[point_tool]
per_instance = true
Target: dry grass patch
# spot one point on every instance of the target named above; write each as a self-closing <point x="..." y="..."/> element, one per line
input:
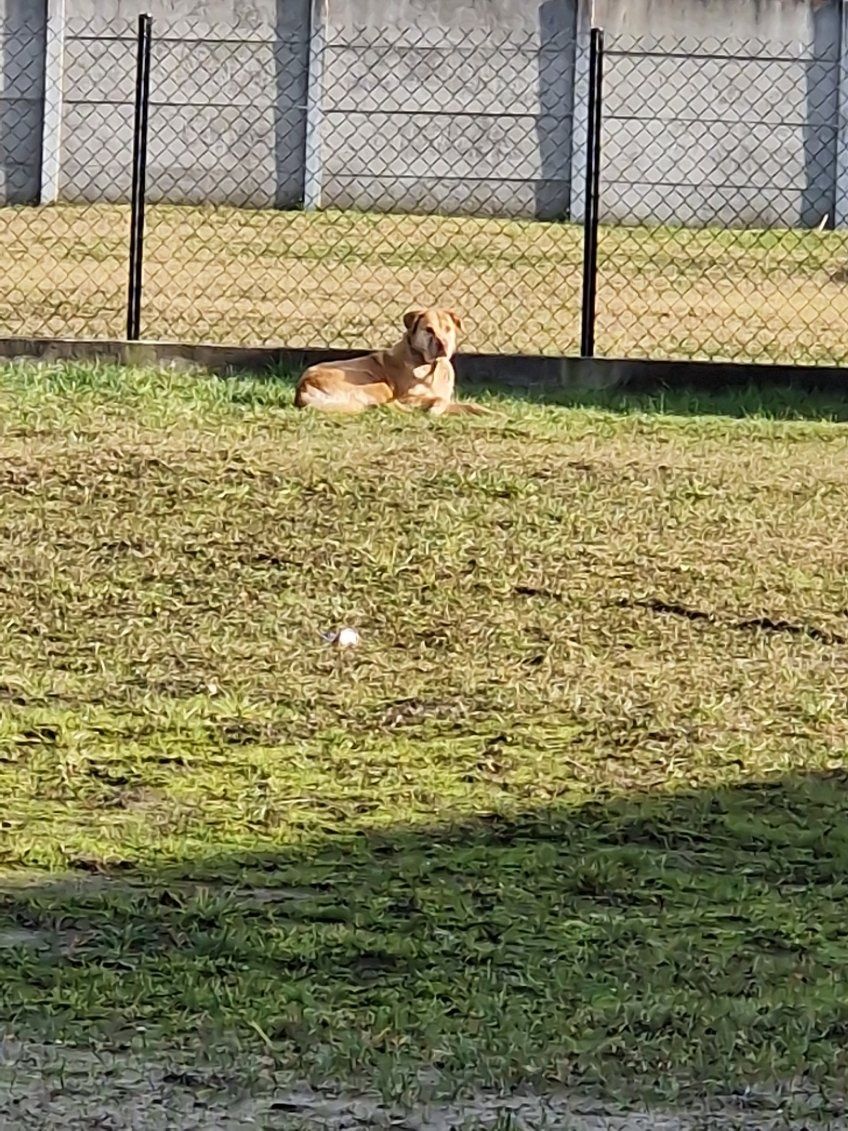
<point x="345" y="279"/>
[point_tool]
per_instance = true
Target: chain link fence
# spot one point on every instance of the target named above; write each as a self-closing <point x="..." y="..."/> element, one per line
<point x="420" y="162"/>
<point x="63" y="267"/>
<point x="720" y="187"/>
<point x="307" y="188"/>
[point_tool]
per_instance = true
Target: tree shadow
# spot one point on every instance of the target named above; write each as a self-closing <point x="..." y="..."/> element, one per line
<point x="23" y="30"/>
<point x="822" y="115"/>
<point x="291" y="67"/>
<point x="632" y="943"/>
<point x="555" y="119"/>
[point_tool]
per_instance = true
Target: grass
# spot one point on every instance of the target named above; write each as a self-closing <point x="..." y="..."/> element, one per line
<point x="575" y="812"/>
<point x="345" y="279"/>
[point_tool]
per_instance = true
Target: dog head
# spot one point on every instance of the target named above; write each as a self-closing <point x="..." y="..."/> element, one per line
<point x="432" y="333"/>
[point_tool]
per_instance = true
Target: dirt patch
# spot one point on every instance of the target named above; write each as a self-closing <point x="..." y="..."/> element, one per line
<point x="23" y="937"/>
<point x="100" y="883"/>
<point x="51" y="1087"/>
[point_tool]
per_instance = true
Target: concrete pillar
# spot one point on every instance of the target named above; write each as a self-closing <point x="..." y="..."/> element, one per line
<point x="54" y="70"/>
<point x="580" y="109"/>
<point x="313" y="173"/>
<point x="840" y="212"/>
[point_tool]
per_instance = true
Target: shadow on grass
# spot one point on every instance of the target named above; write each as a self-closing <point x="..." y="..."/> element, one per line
<point x="777" y="402"/>
<point x="630" y="943"/>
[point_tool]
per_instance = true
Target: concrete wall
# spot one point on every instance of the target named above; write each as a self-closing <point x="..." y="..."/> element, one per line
<point x="449" y="106"/>
<point x="22" y="30"/>
<point x="717" y="111"/>
<point x="735" y="121"/>
<point x="228" y="92"/>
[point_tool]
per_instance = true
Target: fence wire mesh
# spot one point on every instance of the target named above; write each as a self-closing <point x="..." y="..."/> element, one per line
<point x="307" y="186"/>
<point x="63" y="268"/>
<point x="721" y="182"/>
<point x="425" y="157"/>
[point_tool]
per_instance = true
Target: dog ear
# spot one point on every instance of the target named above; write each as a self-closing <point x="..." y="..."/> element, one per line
<point x="410" y="318"/>
<point x="457" y="321"/>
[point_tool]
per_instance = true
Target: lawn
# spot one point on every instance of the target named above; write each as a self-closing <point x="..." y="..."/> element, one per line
<point x="345" y="279"/>
<point x="571" y="821"/>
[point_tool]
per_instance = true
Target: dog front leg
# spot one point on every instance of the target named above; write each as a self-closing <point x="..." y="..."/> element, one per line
<point x="438" y="407"/>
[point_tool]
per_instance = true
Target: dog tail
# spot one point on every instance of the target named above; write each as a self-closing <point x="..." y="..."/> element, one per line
<point x="469" y="408"/>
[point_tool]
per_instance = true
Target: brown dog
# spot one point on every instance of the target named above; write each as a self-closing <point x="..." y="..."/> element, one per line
<point x="416" y="374"/>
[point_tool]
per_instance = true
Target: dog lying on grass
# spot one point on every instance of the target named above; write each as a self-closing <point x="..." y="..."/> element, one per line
<point x="416" y="374"/>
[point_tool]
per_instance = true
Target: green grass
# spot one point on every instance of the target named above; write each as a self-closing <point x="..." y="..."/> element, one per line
<point x="345" y="279"/>
<point x="575" y="812"/>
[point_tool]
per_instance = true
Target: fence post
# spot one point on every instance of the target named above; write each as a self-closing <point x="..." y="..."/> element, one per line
<point x="139" y="176"/>
<point x="840" y="219"/>
<point x="579" y="101"/>
<point x="313" y="172"/>
<point x="592" y="192"/>
<point x="51" y="132"/>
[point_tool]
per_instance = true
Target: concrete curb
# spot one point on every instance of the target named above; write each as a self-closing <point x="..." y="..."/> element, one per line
<point x="498" y="371"/>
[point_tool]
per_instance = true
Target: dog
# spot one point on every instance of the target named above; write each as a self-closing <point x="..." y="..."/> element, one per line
<point x="417" y="374"/>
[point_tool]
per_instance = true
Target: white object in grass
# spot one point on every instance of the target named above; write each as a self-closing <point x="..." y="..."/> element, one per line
<point x="343" y="638"/>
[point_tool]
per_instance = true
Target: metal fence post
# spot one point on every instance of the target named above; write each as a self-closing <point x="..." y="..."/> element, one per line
<point x="593" y="183"/>
<point x="139" y="176"/>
